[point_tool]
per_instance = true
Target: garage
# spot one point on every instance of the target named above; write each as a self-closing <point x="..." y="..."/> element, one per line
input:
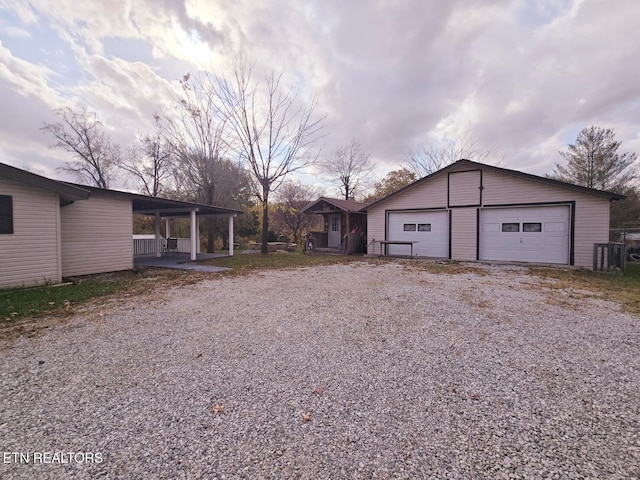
<point x="468" y="211"/>
<point x="429" y="229"/>
<point x="537" y="234"/>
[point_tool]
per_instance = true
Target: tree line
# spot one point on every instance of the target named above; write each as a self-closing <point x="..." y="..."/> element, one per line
<point x="228" y="139"/>
<point x="233" y="140"/>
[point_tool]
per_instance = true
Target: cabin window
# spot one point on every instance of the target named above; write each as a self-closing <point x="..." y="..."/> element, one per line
<point x="510" y="227"/>
<point x="409" y="227"/>
<point x="531" y="227"/>
<point x="6" y="215"/>
<point x="424" y="227"/>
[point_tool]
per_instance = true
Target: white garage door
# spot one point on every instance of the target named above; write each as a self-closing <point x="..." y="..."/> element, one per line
<point x="429" y="229"/>
<point x="531" y="234"/>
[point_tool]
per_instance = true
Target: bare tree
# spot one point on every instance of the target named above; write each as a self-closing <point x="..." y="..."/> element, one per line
<point x="149" y="162"/>
<point x="350" y="166"/>
<point x="291" y="199"/>
<point x="274" y="133"/>
<point x="195" y="133"/>
<point x="431" y="156"/>
<point x="82" y="135"/>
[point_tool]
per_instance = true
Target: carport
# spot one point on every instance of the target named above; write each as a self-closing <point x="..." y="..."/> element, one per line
<point x="162" y="208"/>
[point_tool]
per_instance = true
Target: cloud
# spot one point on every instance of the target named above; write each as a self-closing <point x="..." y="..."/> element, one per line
<point x="520" y="76"/>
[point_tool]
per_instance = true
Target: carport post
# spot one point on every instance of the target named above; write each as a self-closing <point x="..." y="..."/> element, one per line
<point x="194" y="233"/>
<point x="198" y="236"/>
<point x="231" y="235"/>
<point x="167" y="228"/>
<point x="158" y="238"/>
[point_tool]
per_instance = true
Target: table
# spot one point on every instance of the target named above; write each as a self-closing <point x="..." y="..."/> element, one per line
<point x="394" y="242"/>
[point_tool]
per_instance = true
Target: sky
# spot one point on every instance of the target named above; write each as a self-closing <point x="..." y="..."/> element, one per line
<point x="521" y="77"/>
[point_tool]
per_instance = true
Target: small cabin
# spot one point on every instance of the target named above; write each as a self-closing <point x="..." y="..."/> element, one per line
<point x="344" y="226"/>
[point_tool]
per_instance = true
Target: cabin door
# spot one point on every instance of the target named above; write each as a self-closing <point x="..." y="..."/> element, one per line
<point x="335" y="237"/>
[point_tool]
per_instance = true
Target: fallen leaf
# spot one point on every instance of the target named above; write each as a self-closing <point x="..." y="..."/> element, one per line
<point x="318" y="390"/>
<point x="52" y="303"/>
<point x="217" y="408"/>
<point x="306" y="417"/>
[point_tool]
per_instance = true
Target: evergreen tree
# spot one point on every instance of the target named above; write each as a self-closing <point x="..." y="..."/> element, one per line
<point x="594" y="162"/>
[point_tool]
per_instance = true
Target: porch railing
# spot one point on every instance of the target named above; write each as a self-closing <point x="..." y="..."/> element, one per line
<point x="147" y="246"/>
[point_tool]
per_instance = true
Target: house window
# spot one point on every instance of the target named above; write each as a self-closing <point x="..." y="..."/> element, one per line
<point x="6" y="214"/>
<point x="510" y="227"/>
<point x="424" y="227"/>
<point x="531" y="227"/>
<point x="335" y="224"/>
<point x="409" y="227"/>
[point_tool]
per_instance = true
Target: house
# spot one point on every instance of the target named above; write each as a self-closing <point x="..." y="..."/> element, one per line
<point x="51" y="229"/>
<point x="473" y="211"/>
<point x="341" y="217"/>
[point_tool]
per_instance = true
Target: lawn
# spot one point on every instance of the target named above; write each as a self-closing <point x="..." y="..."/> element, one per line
<point x="621" y="288"/>
<point x="246" y="263"/>
<point x="19" y="303"/>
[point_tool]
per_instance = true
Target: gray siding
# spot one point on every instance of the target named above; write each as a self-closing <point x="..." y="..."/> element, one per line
<point x="31" y="254"/>
<point x="499" y="188"/>
<point x="464" y="238"/>
<point x="96" y="235"/>
<point x="435" y="196"/>
<point x="591" y="215"/>
<point x="464" y="188"/>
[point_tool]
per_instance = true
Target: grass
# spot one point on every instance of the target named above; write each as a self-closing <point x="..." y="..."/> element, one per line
<point x="17" y="303"/>
<point x="624" y="289"/>
<point x="242" y="264"/>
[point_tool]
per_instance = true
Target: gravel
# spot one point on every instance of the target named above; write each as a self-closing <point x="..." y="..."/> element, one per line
<point x="346" y="371"/>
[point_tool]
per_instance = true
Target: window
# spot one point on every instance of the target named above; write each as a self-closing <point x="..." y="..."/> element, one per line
<point x="424" y="227"/>
<point x="531" y="227"/>
<point x="335" y="224"/>
<point x="510" y="227"/>
<point x="409" y="227"/>
<point x="6" y="214"/>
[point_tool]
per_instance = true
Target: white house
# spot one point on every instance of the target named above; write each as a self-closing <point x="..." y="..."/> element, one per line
<point x="473" y="211"/>
<point x="51" y="229"/>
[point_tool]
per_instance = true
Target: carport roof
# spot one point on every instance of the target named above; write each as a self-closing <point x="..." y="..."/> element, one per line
<point x="144" y="204"/>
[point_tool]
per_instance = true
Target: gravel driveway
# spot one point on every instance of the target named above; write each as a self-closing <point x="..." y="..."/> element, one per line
<point x="346" y="371"/>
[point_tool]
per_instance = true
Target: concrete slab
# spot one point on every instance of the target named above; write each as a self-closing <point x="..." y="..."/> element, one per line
<point x="180" y="262"/>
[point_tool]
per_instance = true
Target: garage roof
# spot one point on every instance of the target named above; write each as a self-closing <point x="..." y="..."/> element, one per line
<point x="470" y="164"/>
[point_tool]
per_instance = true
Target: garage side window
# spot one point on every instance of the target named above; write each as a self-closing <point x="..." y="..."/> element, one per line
<point x="510" y="227"/>
<point x="409" y="227"/>
<point x="532" y="227"/>
<point x="424" y="227"/>
<point x="6" y="215"/>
